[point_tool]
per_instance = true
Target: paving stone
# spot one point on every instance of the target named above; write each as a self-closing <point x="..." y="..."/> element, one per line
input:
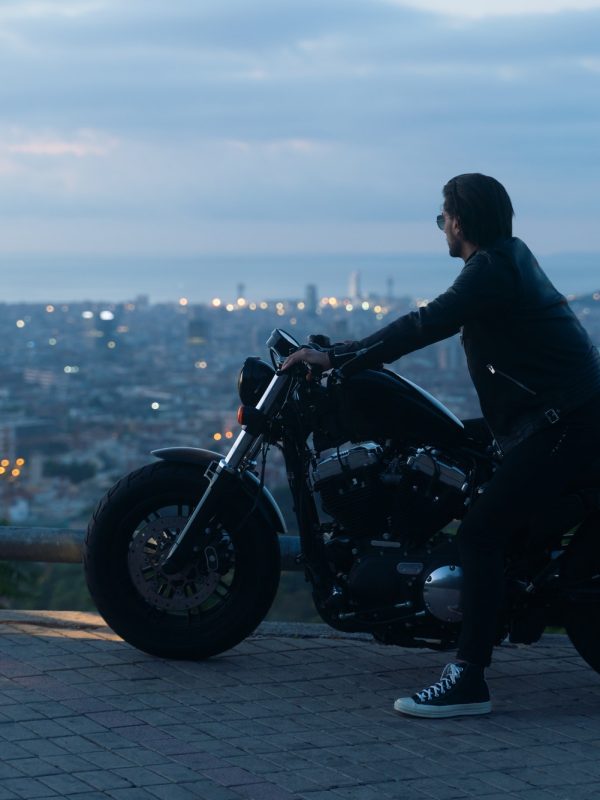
<point x="141" y="776"/>
<point x="284" y="717"/>
<point x="231" y="776"/>
<point x="37" y="747"/>
<point x="65" y="784"/>
<point x="172" y="791"/>
<point x="28" y="787"/>
<point x="264" y="791"/>
<point x="211" y="791"/>
<point x="33" y="767"/>
<point x="7" y="770"/>
<point x="73" y="744"/>
<point x="135" y="793"/>
<point x="88" y="796"/>
<point x="104" y="779"/>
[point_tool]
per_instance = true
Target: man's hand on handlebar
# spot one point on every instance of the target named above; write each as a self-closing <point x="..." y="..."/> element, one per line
<point x="314" y="358"/>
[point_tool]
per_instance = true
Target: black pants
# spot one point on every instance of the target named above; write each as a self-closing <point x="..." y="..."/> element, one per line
<point x="530" y="476"/>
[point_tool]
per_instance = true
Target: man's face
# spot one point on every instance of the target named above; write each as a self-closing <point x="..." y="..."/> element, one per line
<point x="453" y="235"/>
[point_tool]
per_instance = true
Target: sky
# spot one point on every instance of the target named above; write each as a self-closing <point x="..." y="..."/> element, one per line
<point x="292" y="126"/>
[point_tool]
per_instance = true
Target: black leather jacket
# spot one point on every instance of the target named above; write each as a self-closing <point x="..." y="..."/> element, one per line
<point x="530" y="358"/>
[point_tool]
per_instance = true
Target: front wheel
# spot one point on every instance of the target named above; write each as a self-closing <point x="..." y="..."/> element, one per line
<point x="207" y="608"/>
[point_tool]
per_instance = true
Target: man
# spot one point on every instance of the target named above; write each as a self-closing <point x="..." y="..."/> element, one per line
<point x="537" y="375"/>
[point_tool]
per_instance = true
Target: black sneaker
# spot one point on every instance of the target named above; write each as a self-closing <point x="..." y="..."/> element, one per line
<point x="460" y="691"/>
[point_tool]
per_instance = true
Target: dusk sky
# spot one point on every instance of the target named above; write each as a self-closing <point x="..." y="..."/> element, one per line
<point x="292" y="126"/>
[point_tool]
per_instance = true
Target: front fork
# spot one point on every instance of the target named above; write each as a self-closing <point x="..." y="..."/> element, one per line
<point x="222" y="478"/>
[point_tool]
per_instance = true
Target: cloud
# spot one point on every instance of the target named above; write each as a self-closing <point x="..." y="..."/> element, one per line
<point x="82" y="144"/>
<point x="491" y="8"/>
<point x="249" y="116"/>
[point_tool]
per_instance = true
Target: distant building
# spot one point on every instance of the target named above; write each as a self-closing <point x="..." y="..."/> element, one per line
<point x="354" y="286"/>
<point x="311" y="299"/>
<point x="390" y="289"/>
<point x="198" y="331"/>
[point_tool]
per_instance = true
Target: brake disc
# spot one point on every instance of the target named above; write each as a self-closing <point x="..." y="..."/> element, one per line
<point x="179" y="592"/>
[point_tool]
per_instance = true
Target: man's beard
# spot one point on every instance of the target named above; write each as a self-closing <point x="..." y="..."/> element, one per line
<point x="454" y="247"/>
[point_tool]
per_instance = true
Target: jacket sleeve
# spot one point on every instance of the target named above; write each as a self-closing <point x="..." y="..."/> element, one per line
<point x="485" y="287"/>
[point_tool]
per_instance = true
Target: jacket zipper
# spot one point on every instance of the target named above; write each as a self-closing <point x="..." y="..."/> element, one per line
<point x="495" y="371"/>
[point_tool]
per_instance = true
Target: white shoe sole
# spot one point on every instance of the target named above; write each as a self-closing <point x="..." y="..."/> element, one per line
<point x="406" y="705"/>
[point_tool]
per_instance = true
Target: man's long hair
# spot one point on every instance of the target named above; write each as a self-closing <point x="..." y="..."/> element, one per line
<point x="482" y="206"/>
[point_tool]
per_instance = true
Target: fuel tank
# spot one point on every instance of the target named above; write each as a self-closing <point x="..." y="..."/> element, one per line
<point x="379" y="404"/>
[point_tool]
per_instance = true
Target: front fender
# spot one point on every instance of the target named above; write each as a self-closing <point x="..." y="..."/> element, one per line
<point x="200" y="457"/>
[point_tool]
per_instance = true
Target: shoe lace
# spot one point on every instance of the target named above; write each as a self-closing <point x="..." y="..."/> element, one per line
<point x="450" y="675"/>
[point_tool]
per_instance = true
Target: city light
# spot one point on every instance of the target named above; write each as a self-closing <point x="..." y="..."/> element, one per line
<point x="293" y="321"/>
<point x="49" y="309"/>
<point x="5" y="462"/>
<point x="216" y="302"/>
<point x="111" y="345"/>
<point x="155" y="406"/>
<point x="20" y="323"/>
<point x="217" y="437"/>
<point x="252" y="306"/>
<point x="377" y="309"/>
<point x="300" y="306"/>
<point x="2" y="470"/>
<point x="15" y="473"/>
<point x="201" y="365"/>
<point x="229" y="306"/>
<point x="264" y="305"/>
<point x="349" y="307"/>
<point x="365" y="306"/>
<point x="107" y="316"/>
<point x="183" y="301"/>
<point x="596" y="295"/>
<point x="87" y="314"/>
<point x="52" y="341"/>
<point x="71" y="370"/>
<point x="20" y="462"/>
<point x="241" y="301"/>
<point x="229" y="434"/>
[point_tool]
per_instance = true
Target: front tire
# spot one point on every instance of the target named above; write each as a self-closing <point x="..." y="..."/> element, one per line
<point x="200" y="612"/>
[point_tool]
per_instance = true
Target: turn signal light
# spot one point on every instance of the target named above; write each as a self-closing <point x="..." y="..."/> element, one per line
<point x="252" y="419"/>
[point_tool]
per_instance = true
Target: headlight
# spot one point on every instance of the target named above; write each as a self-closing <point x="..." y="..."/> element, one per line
<point x="254" y="378"/>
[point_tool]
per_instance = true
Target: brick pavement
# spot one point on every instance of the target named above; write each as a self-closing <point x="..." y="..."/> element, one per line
<point x="293" y="712"/>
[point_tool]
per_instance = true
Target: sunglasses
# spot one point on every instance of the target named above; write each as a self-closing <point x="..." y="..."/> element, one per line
<point x="440" y="220"/>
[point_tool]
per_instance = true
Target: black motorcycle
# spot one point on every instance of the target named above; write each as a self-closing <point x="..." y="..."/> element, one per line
<point x="182" y="557"/>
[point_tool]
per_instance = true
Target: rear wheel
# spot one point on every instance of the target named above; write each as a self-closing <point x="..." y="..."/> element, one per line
<point x="581" y="579"/>
<point x="213" y="603"/>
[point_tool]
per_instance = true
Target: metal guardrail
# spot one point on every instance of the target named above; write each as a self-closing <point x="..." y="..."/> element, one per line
<point x="59" y="545"/>
<point x="65" y="546"/>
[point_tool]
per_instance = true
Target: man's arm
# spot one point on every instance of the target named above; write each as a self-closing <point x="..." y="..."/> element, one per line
<point x="485" y="287"/>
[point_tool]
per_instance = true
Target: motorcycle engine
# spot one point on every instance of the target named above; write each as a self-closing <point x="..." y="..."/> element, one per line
<point x="387" y="508"/>
<point x="350" y="489"/>
<point x="409" y="495"/>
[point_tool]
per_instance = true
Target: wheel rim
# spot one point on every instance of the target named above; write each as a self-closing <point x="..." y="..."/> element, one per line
<point x="203" y="586"/>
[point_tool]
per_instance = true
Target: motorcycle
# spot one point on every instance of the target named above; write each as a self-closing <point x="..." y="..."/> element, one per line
<point x="182" y="556"/>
